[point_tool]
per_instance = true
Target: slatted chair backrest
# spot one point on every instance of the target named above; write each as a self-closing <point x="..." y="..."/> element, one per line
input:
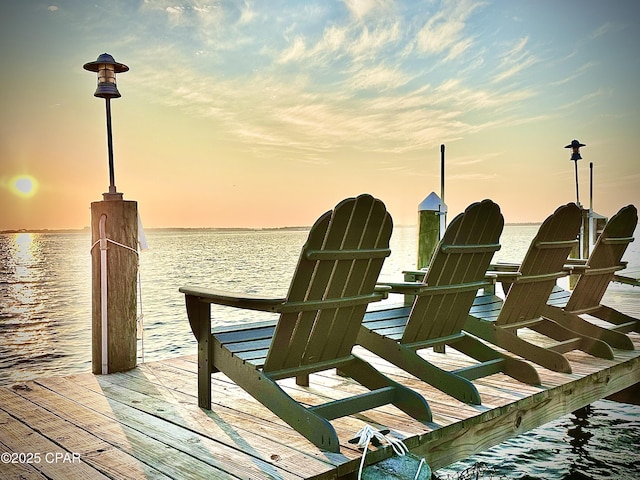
<point x="604" y="261"/>
<point x="456" y="271"/>
<point x="542" y="266"/>
<point x="332" y="285"/>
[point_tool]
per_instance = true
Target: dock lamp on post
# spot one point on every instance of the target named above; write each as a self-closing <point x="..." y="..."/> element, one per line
<point x="114" y="255"/>
<point x="107" y="67"/>
<point x="575" y="156"/>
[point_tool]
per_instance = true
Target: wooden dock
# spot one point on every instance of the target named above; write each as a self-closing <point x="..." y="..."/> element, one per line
<point x="146" y="423"/>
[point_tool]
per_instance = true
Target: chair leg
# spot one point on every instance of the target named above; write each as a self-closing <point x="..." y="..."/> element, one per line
<point x="260" y="386"/>
<point x="625" y="322"/>
<point x="589" y="345"/>
<point x="510" y="341"/>
<point x="409" y="361"/>
<point x="204" y="374"/>
<point x="514" y="367"/>
<point x="199" y="314"/>
<point x="580" y="325"/>
<point x="410" y="402"/>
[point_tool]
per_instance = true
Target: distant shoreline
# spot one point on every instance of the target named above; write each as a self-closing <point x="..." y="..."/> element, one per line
<point x="212" y="229"/>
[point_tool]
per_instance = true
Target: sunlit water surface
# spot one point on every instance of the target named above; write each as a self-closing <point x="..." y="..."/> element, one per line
<point x="45" y="328"/>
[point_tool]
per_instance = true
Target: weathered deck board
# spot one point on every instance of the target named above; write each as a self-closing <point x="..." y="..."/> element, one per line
<point x="90" y="448"/>
<point x="145" y="423"/>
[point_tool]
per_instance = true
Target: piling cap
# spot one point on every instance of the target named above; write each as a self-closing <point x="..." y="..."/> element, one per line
<point x="432" y="203"/>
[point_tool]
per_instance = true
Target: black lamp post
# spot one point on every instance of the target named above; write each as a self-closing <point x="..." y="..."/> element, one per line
<point x="107" y="67"/>
<point x="575" y="156"/>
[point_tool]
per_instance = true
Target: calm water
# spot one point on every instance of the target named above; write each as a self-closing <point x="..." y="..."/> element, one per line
<point x="45" y="328"/>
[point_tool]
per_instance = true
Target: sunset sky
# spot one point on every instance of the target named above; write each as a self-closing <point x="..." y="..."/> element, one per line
<point x="266" y="113"/>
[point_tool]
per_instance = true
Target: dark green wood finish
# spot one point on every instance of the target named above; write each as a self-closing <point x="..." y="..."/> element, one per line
<point x="527" y="290"/>
<point x="595" y="275"/>
<point x="334" y="281"/>
<point x="442" y="303"/>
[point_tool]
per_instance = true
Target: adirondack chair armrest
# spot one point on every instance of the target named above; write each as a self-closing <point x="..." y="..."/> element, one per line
<point x="383" y="289"/>
<point x="576" y="261"/>
<point x="627" y="280"/>
<point x="414" y="275"/>
<point x="404" y="288"/>
<point x="504" y="267"/>
<point x="237" y="300"/>
<point x="577" y="267"/>
<point x="419" y="288"/>
<point x="506" y="276"/>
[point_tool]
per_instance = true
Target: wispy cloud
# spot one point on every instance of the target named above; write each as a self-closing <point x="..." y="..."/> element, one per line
<point x="377" y="77"/>
<point x="576" y="74"/>
<point x="444" y="32"/>
<point x="586" y="99"/>
<point x="362" y="8"/>
<point x="353" y="82"/>
<point x="515" y="60"/>
<point x="604" y="29"/>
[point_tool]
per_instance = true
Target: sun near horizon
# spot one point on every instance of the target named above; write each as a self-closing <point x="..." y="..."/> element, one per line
<point x="24" y="186"/>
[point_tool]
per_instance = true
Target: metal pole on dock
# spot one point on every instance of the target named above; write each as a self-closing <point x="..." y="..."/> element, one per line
<point x="591" y="240"/>
<point x="443" y="214"/>
<point x="114" y="255"/>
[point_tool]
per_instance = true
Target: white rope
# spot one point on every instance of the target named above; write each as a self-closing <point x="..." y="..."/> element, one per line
<point x="364" y="437"/>
<point x="122" y="245"/>
<point x="142" y="245"/>
<point x="422" y="462"/>
<point x="115" y="243"/>
<point x="103" y="278"/>
<point x="140" y="318"/>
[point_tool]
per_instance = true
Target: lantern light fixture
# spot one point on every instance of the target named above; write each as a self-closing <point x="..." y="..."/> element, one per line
<point x="575" y="146"/>
<point x="575" y="156"/>
<point x="106" y="68"/>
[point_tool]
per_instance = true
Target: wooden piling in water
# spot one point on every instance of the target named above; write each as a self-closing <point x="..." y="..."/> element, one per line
<point x="431" y="213"/>
<point x="118" y="220"/>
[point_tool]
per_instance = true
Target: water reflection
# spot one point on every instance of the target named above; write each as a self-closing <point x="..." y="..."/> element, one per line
<point x="23" y="262"/>
<point x="579" y="433"/>
<point x="35" y="273"/>
<point x="597" y="442"/>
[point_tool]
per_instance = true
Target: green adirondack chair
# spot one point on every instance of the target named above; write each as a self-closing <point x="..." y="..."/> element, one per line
<point x="595" y="275"/>
<point x="319" y="320"/>
<point x="442" y="303"/>
<point x="526" y="297"/>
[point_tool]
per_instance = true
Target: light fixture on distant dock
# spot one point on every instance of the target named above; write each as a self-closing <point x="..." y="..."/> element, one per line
<point x="575" y="156"/>
<point x="107" y="67"/>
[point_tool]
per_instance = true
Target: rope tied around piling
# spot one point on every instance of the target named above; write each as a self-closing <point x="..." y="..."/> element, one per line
<point x="103" y="242"/>
<point x="108" y="240"/>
